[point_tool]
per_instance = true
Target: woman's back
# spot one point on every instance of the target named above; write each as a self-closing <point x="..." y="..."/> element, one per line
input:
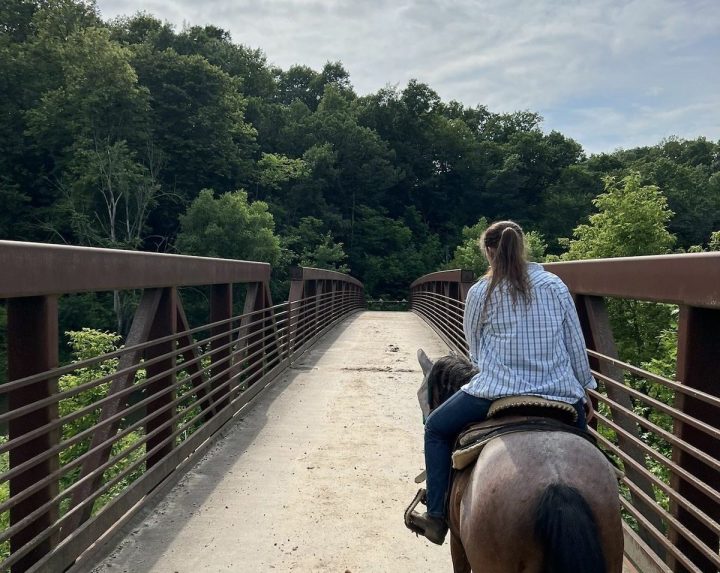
<point x="524" y="346"/>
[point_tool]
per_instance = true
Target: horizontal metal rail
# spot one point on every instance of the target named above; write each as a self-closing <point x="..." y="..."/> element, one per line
<point x="154" y="402"/>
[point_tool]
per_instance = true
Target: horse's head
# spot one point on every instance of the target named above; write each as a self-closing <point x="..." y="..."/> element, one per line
<point x="441" y="379"/>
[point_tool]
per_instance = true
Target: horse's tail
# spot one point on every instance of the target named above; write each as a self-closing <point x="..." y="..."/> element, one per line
<point x="567" y="532"/>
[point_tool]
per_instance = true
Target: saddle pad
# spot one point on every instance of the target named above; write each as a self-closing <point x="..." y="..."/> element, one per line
<point x="472" y="441"/>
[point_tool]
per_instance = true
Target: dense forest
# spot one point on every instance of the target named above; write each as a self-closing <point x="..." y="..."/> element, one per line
<point x="130" y="134"/>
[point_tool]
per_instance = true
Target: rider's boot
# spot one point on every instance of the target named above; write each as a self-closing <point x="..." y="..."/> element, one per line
<point x="435" y="528"/>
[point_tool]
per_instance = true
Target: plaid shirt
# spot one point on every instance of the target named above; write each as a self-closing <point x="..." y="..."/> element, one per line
<point x="535" y="348"/>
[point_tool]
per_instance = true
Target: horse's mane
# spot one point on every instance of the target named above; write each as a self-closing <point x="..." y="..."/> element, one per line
<point x="447" y="376"/>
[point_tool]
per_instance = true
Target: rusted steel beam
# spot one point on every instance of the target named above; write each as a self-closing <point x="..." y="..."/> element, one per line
<point x="35" y="269"/>
<point x="221" y="302"/>
<point x="32" y="327"/>
<point x="692" y="279"/>
<point x="251" y="330"/>
<point x="295" y="308"/>
<point x="595" y="324"/>
<point x="312" y="274"/>
<point x="453" y="276"/>
<point x="165" y="324"/>
<point x="697" y="367"/>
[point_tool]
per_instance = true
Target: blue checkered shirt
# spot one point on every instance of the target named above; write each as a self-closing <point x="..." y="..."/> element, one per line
<point x="535" y="348"/>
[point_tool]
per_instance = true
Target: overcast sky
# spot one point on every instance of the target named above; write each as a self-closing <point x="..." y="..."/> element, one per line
<point x="609" y="73"/>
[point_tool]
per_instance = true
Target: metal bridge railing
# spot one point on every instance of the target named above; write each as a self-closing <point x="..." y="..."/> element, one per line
<point x="439" y="298"/>
<point x="76" y="458"/>
<point x="665" y="432"/>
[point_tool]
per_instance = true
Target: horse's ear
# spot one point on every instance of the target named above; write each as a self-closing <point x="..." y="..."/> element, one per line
<point x="425" y="363"/>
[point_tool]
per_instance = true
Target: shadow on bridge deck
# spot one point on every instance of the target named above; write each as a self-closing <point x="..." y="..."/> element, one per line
<point x="314" y="475"/>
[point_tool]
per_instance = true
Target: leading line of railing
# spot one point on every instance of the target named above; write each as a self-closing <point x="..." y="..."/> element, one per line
<point x="665" y="432"/>
<point x="439" y="298"/>
<point x="89" y="440"/>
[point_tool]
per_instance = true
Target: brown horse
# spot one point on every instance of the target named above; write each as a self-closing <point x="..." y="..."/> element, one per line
<point x="534" y="502"/>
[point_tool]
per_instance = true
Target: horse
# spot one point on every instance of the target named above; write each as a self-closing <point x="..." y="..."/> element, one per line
<point x="533" y="502"/>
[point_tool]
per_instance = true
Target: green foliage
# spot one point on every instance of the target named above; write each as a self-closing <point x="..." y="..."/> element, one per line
<point x="469" y="254"/>
<point x="631" y="221"/>
<point x="228" y="227"/>
<point x="110" y="130"/>
<point x="4" y="496"/>
<point x="714" y="244"/>
<point x="86" y="344"/>
<point x="311" y="246"/>
<point x="274" y="170"/>
<point x="391" y="252"/>
<point x="536" y="246"/>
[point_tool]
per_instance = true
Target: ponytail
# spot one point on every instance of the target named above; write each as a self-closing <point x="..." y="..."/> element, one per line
<point x="508" y="263"/>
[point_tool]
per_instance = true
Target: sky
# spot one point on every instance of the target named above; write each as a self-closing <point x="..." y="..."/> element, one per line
<point x="609" y="73"/>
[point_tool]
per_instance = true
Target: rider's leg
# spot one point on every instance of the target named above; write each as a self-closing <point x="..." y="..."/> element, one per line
<point x="441" y="429"/>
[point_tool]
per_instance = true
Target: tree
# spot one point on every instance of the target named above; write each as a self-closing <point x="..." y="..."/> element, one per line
<point x="714" y="244"/>
<point x="228" y="227"/>
<point x="86" y="344"/>
<point x="99" y="99"/>
<point x="199" y="127"/>
<point x="631" y="221"/>
<point x="469" y="254"/>
<point x="313" y="246"/>
<point x="390" y="253"/>
<point x="275" y="170"/>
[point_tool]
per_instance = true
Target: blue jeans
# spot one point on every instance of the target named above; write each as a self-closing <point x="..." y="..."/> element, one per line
<point x="442" y="428"/>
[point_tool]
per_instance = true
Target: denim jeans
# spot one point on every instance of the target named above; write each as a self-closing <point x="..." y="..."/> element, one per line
<point x="442" y="428"/>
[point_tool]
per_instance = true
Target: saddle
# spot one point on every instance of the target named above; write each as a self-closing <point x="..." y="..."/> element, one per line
<point x="515" y="414"/>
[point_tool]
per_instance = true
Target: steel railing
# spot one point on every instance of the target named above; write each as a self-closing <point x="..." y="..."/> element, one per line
<point x="78" y="457"/>
<point x="439" y="298"/>
<point x="665" y="432"/>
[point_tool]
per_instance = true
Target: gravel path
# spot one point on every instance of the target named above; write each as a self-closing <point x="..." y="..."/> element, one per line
<point x="316" y="474"/>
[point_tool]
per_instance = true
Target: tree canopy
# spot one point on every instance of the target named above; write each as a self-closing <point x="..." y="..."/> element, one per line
<point x="132" y="134"/>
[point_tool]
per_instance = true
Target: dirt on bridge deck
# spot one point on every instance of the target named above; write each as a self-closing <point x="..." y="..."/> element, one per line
<point x="316" y="474"/>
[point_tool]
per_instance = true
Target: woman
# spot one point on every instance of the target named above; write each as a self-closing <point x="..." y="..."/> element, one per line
<point x="524" y="336"/>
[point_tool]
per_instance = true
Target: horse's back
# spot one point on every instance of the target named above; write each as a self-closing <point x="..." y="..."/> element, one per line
<point x="498" y="508"/>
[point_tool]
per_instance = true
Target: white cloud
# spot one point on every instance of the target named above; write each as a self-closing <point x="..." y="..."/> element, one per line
<point x="546" y="55"/>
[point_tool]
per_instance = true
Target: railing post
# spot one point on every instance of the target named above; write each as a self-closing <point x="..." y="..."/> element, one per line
<point x="165" y="324"/>
<point x="221" y="309"/>
<point x="32" y="326"/>
<point x="467" y="279"/>
<point x="698" y="362"/>
<point x="318" y="287"/>
<point x="595" y="323"/>
<point x="295" y="308"/>
<point x="335" y="306"/>
<point x="252" y="328"/>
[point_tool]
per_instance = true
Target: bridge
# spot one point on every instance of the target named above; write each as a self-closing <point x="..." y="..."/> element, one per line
<point x="285" y="436"/>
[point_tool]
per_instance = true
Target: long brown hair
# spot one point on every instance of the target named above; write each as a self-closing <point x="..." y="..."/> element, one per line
<point x="508" y="263"/>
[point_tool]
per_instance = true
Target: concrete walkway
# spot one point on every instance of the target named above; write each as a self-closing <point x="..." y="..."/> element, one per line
<point x="316" y="475"/>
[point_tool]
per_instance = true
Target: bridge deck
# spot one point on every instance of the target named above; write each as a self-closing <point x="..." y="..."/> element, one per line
<point x="316" y="474"/>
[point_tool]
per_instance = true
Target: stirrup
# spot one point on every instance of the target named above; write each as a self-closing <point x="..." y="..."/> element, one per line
<point x="420" y="497"/>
